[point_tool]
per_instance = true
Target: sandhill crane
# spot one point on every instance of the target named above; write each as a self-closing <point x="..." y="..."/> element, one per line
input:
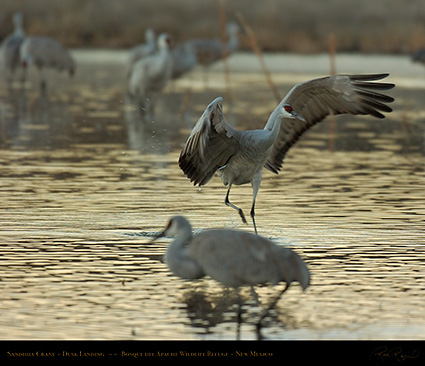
<point x="10" y="46"/>
<point x="209" y="51"/>
<point x="184" y="60"/>
<point x="232" y="257"/>
<point x="419" y="56"/>
<point x="150" y="75"/>
<point x="144" y="49"/>
<point x="239" y="156"/>
<point x="45" y="52"/>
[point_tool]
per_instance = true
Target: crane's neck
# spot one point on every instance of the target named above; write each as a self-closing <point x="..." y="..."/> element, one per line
<point x="274" y="128"/>
<point x="164" y="49"/>
<point x="150" y="38"/>
<point x="19" y="29"/>
<point x="179" y="260"/>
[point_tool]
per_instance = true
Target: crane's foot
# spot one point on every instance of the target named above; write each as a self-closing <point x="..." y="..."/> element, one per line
<point x="267" y="311"/>
<point x="241" y="214"/>
<point x="253" y="218"/>
<point x="258" y="331"/>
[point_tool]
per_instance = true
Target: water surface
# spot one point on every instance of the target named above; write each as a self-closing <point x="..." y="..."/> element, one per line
<point x="85" y="186"/>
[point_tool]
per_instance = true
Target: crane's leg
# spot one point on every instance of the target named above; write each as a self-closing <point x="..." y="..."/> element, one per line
<point x="143" y="109"/>
<point x="43" y="84"/>
<point x="256" y="181"/>
<point x="253" y="215"/>
<point x="255" y="296"/>
<point x="227" y="202"/>
<point x="239" y="315"/>
<point x="23" y="77"/>
<point x="271" y="306"/>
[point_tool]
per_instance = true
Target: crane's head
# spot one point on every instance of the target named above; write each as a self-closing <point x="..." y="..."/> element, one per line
<point x="289" y="112"/>
<point x="177" y="225"/>
<point x="164" y="40"/>
<point x="149" y="35"/>
<point x="292" y="267"/>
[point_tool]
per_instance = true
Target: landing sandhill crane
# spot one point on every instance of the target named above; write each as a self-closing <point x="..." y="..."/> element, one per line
<point x="10" y="46"/>
<point x="144" y="49"/>
<point x="209" y="51"/>
<point x="45" y="52"/>
<point x="239" y="156"/>
<point x="150" y="75"/>
<point x="233" y="258"/>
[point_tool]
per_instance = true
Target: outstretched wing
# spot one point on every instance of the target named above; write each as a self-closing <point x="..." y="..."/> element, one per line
<point x="318" y="98"/>
<point x="210" y="145"/>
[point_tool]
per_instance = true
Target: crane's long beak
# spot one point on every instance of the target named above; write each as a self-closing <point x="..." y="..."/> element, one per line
<point x="160" y="235"/>
<point x="296" y="115"/>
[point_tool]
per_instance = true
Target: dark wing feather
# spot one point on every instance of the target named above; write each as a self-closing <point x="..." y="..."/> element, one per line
<point x="318" y="98"/>
<point x="210" y="145"/>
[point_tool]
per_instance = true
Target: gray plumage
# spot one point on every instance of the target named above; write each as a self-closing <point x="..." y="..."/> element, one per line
<point x="184" y="60"/>
<point x="144" y="49"/>
<point x="231" y="257"/>
<point x="150" y="75"/>
<point x="10" y="50"/>
<point x="46" y="53"/>
<point x="239" y="156"/>
<point x="419" y="56"/>
<point x="208" y="51"/>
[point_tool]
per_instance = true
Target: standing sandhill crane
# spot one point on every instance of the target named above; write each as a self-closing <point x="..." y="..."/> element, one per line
<point x="144" y="49"/>
<point x="10" y="46"/>
<point x="184" y="60"/>
<point x="419" y="56"/>
<point x="239" y="156"/>
<point x="45" y="52"/>
<point x="233" y="258"/>
<point x="150" y="75"/>
<point x="209" y="51"/>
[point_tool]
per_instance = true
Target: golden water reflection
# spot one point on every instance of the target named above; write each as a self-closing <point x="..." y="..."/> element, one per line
<point x="84" y="187"/>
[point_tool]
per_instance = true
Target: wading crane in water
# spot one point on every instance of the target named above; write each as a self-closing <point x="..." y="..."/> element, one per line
<point x="46" y="53"/>
<point x="232" y="257"/>
<point x="208" y="51"/>
<point x="150" y="75"/>
<point x="144" y="49"/>
<point x="10" y="46"/>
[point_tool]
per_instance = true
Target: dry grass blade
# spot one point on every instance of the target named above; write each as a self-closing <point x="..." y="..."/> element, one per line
<point x="256" y="48"/>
